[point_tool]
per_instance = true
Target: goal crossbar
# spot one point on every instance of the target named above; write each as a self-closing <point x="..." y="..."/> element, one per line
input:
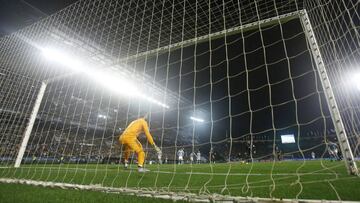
<point x="231" y="31"/>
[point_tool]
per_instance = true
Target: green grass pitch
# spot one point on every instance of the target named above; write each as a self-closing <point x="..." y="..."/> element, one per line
<point x="10" y="193"/>
<point x="287" y="179"/>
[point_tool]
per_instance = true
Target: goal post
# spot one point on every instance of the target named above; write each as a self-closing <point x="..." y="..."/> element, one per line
<point x="30" y="125"/>
<point x="341" y="134"/>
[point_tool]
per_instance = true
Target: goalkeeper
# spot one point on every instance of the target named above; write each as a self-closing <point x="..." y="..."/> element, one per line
<point x="130" y="142"/>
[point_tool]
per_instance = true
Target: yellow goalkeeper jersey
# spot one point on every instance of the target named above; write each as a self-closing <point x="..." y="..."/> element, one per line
<point x="134" y="130"/>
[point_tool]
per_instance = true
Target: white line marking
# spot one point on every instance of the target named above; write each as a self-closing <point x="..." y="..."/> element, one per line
<point x="183" y="173"/>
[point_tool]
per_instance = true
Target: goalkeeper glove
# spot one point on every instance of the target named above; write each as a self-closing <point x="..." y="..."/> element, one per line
<point x="157" y="149"/>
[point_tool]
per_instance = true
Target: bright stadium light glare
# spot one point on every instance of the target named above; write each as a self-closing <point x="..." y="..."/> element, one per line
<point x="197" y="119"/>
<point x="114" y="83"/>
<point x="356" y="80"/>
<point x="62" y="58"/>
<point x="102" y="116"/>
<point x="155" y="101"/>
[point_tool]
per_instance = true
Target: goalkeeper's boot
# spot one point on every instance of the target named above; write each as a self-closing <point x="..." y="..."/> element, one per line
<point x="142" y="170"/>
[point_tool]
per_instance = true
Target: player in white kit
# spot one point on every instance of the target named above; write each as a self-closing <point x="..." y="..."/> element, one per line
<point x="192" y="154"/>
<point x="198" y="157"/>
<point x="160" y="158"/>
<point x="180" y="154"/>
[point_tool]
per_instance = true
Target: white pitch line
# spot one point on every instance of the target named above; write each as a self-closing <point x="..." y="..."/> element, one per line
<point x="244" y="174"/>
<point x="182" y="173"/>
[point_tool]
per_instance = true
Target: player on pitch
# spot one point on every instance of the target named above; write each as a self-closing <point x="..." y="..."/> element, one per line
<point x="130" y="142"/>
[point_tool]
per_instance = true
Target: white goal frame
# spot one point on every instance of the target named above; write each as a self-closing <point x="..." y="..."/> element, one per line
<point x="320" y="66"/>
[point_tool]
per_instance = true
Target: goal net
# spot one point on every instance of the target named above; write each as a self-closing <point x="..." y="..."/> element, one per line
<point x="261" y="98"/>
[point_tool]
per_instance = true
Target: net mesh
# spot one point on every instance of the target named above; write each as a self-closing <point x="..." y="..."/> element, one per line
<point x="232" y="84"/>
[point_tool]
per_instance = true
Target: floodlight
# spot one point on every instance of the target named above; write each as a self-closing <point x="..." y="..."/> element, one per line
<point x="115" y="83"/>
<point x="62" y="58"/>
<point x="155" y="101"/>
<point x="356" y="80"/>
<point x="102" y="116"/>
<point x="197" y="119"/>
